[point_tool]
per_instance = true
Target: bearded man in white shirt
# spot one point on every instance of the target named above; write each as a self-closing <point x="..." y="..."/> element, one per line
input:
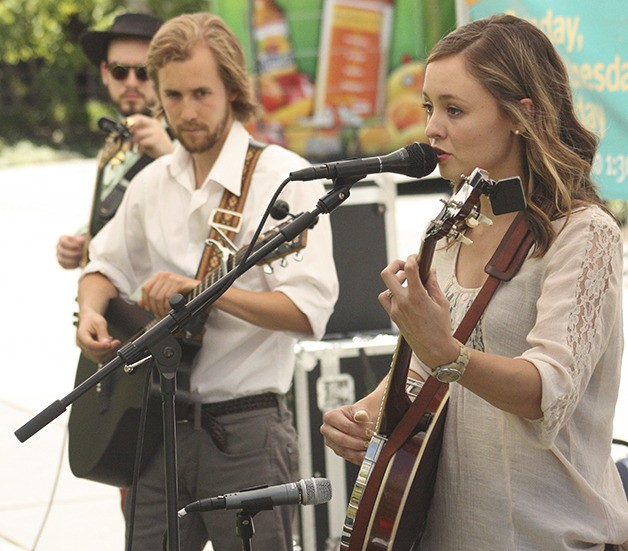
<point x="155" y="242"/>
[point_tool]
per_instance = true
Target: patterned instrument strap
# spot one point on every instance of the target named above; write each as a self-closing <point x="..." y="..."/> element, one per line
<point x="227" y="218"/>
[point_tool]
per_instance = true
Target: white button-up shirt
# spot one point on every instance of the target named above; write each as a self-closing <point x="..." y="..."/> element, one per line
<point x="162" y="225"/>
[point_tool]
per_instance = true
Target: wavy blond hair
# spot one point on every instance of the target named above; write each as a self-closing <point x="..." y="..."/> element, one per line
<point x="514" y="60"/>
<point x="175" y="41"/>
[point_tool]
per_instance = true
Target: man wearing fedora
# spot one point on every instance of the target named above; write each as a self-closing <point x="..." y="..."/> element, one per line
<point x="133" y="141"/>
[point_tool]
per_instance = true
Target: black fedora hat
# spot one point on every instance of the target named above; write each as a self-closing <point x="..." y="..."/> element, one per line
<point x="128" y="25"/>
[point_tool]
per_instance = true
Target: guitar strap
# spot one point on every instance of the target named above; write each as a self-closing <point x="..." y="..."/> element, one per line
<point x="427" y="412"/>
<point x="226" y="220"/>
<point x="108" y="207"/>
<point x="503" y="266"/>
<point x="114" y="151"/>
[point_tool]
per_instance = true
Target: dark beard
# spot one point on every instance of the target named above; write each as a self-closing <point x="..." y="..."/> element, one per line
<point x="146" y="108"/>
<point x="146" y="111"/>
<point x="210" y="140"/>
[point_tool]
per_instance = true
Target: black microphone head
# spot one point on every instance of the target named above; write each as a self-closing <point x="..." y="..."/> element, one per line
<point x="107" y="125"/>
<point x="423" y="159"/>
<point x="315" y="491"/>
<point x="280" y="209"/>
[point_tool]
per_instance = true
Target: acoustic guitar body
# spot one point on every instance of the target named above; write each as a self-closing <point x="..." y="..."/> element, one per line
<point x="104" y="422"/>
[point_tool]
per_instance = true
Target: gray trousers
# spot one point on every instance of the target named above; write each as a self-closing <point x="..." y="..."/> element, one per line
<point x="261" y="448"/>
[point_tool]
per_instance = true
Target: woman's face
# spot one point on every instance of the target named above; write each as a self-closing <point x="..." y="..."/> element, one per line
<point x="465" y="124"/>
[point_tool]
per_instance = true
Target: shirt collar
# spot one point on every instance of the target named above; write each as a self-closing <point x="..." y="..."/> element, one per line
<point x="227" y="170"/>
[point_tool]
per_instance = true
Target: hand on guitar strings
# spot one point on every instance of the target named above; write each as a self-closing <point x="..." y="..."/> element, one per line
<point x="347" y="430"/>
<point x="94" y="339"/>
<point x="158" y="289"/>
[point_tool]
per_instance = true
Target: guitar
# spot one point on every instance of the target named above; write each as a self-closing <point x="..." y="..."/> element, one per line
<point x="113" y="152"/>
<point x="389" y="503"/>
<point x="103" y="424"/>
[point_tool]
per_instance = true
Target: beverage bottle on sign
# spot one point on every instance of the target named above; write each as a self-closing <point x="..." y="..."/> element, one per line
<point x="280" y="81"/>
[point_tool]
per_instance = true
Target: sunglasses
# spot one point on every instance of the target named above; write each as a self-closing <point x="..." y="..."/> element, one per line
<point x="121" y="72"/>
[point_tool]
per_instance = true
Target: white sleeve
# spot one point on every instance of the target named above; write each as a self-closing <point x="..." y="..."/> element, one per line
<point x="576" y="313"/>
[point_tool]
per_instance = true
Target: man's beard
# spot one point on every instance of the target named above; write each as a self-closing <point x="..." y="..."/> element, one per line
<point x="135" y="107"/>
<point x="144" y="111"/>
<point x="209" y="140"/>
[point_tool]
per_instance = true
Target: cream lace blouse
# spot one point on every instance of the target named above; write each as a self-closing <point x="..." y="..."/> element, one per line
<point x="506" y="483"/>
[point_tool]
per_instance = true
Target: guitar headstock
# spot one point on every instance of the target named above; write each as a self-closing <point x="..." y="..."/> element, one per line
<point x="285" y="249"/>
<point x="461" y="210"/>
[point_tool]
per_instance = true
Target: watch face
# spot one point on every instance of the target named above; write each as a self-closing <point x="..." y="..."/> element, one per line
<point x="448" y="375"/>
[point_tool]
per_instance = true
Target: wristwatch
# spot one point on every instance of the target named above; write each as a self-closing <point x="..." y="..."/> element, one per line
<point x="452" y="372"/>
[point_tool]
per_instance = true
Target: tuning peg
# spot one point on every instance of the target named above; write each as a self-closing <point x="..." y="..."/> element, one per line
<point x="475" y="220"/>
<point x="298" y="257"/>
<point x="462" y="238"/>
<point x="268" y="269"/>
<point x="485" y="220"/>
<point x="283" y="262"/>
<point x="99" y="384"/>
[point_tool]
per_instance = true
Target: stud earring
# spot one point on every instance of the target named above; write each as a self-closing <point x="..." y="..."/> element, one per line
<point x="517" y="132"/>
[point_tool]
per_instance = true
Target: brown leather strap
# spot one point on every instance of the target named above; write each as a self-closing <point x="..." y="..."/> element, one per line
<point x="427" y="412"/>
<point x="503" y="265"/>
<point x="228" y="216"/>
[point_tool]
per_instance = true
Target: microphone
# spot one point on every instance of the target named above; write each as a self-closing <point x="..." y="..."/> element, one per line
<point x="311" y="491"/>
<point x="280" y="209"/>
<point x="109" y="126"/>
<point x="415" y="160"/>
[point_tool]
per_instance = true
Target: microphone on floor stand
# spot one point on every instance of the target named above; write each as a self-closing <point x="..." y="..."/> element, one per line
<point x="311" y="491"/>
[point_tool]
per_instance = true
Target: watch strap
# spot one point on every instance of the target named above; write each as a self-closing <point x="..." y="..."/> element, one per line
<point x="454" y="370"/>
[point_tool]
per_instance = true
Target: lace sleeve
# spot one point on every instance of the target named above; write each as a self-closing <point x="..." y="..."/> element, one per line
<point x="576" y="311"/>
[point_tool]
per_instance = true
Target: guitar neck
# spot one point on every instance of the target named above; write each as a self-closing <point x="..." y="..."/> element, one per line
<point x="396" y="401"/>
<point x="228" y="261"/>
<point x="213" y="276"/>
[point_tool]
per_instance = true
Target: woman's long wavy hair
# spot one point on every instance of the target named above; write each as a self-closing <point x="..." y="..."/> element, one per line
<point x="515" y="60"/>
<point x="175" y="41"/>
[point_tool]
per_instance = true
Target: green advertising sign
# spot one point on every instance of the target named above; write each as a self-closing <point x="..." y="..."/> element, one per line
<point x="338" y="78"/>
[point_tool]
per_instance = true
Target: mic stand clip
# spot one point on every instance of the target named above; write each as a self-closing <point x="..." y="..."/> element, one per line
<point x="245" y="528"/>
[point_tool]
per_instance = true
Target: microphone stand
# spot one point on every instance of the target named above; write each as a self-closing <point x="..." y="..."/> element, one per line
<point x="245" y="527"/>
<point x="160" y="343"/>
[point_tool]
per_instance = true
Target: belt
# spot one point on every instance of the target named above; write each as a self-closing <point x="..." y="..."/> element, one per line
<point x="240" y="405"/>
<point x="208" y="413"/>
